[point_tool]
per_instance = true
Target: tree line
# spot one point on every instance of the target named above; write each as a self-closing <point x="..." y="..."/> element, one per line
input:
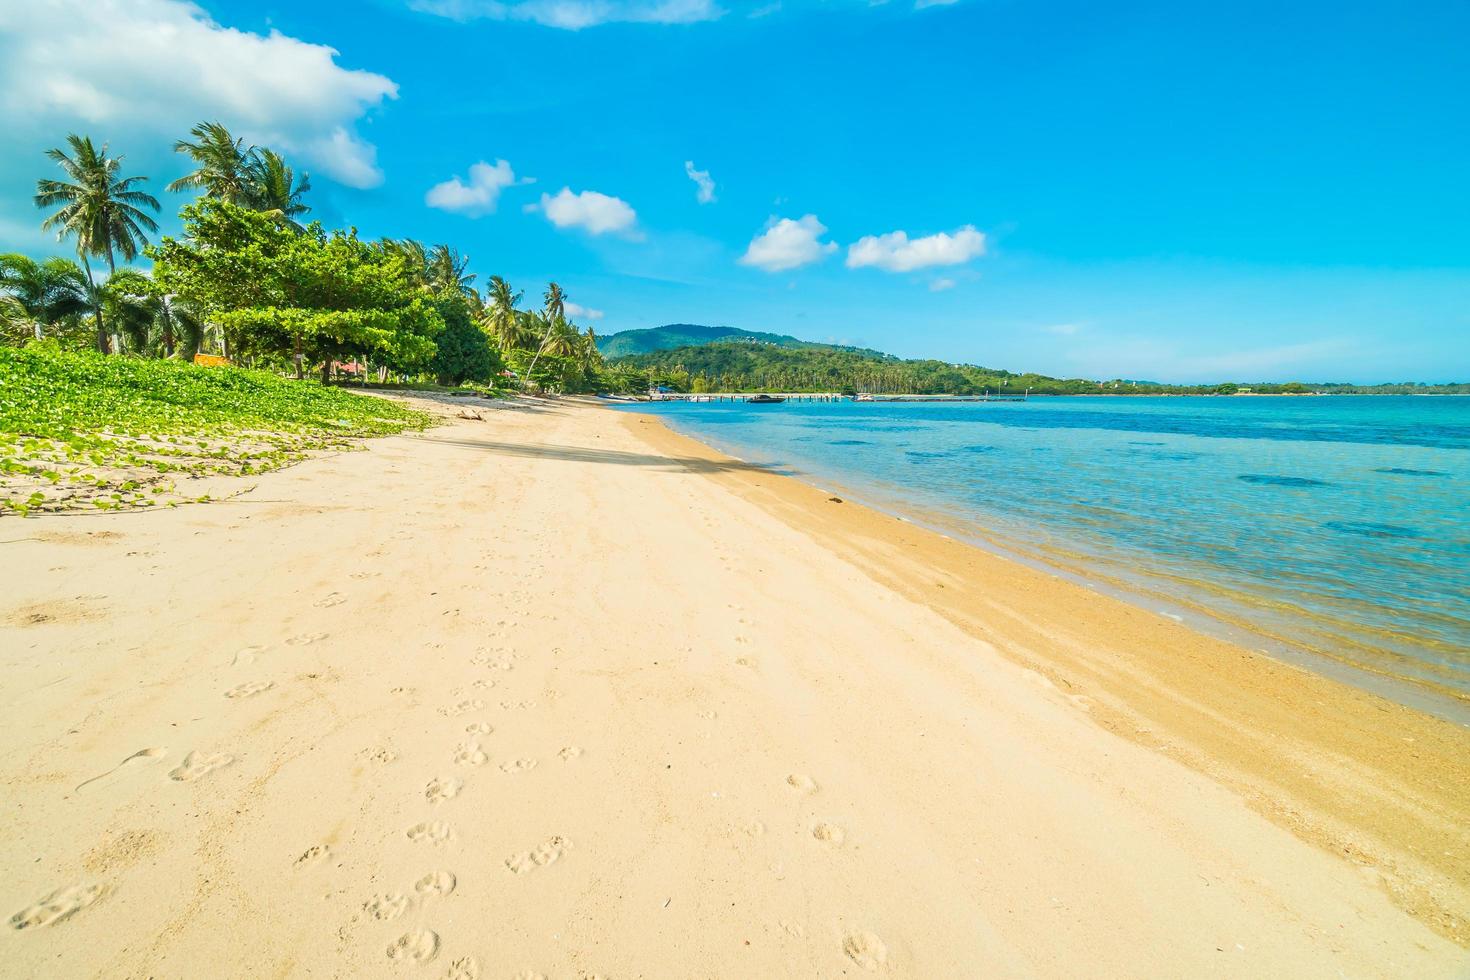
<point x="743" y="365"/>
<point x="250" y="279"/>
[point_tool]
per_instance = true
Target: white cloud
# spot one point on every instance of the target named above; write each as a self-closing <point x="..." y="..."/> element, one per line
<point x="706" y="192"/>
<point x="164" y="65"/>
<point x="574" y="15"/>
<point x="787" y="244"/>
<point x="577" y="309"/>
<point x="479" y="195"/>
<point x="940" y="285"/>
<point x="921" y="4"/>
<point x="589" y="210"/>
<point x="896" y="252"/>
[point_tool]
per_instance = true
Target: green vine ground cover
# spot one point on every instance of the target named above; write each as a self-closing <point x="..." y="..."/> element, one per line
<point x="84" y="431"/>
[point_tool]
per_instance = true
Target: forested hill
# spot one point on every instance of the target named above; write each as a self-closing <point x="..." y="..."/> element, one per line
<point x="740" y="365"/>
<point x="674" y="335"/>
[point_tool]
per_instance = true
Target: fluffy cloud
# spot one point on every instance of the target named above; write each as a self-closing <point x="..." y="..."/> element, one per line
<point x="479" y="195"/>
<point x="596" y="213"/>
<point x="163" y="65"/>
<point x="896" y="252"/>
<point x="940" y="285"/>
<point x="706" y="192"/>
<point x="787" y="244"/>
<point x="574" y="15"/>
<point x="578" y="310"/>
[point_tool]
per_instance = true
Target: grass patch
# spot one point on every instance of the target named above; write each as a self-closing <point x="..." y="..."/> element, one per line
<point x="87" y="431"/>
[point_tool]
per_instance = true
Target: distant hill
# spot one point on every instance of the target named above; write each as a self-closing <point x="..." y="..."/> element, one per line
<point x="630" y="343"/>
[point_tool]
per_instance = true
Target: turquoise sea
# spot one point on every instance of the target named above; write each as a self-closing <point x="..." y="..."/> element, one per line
<point x="1332" y="525"/>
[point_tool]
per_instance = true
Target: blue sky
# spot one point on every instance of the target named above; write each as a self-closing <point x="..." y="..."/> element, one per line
<point x="1165" y="191"/>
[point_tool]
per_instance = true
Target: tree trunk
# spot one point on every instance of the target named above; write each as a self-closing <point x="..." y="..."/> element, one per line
<point x="112" y="271"/>
<point x="296" y="353"/>
<point x="327" y="371"/>
<point x="102" y="344"/>
<point x="168" y="329"/>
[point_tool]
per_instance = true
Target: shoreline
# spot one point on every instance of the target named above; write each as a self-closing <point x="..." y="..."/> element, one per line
<point x="1419" y="691"/>
<point x="1255" y="730"/>
<point x="556" y="690"/>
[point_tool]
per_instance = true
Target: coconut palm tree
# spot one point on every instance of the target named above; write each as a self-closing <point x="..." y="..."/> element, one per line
<point x="501" y="318"/>
<point x="99" y="207"/>
<point x="554" y="313"/>
<point x="448" y="271"/>
<point x="415" y="259"/>
<point x="223" y="164"/>
<point x="41" y="293"/>
<point x="272" y="187"/>
<point x="152" y="322"/>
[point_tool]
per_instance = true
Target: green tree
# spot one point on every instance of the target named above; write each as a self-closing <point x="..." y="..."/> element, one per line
<point x="501" y="318"/>
<point x="41" y="293"/>
<point x="222" y="164"/>
<point x="448" y="272"/>
<point x="272" y="187"/>
<point x="99" y="207"/>
<point x="154" y="322"/>
<point x="463" y="351"/>
<point x="314" y="296"/>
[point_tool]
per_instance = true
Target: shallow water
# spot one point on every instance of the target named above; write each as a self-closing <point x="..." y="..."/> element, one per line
<point x="1340" y="525"/>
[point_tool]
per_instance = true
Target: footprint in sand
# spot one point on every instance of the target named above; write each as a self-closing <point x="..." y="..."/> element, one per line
<point x="829" y="834"/>
<point x="478" y="728"/>
<point x="464" y="968"/>
<point x="313" y="854"/>
<point x="382" y="756"/>
<point x="305" y="639"/>
<point x="518" y="765"/>
<point x="866" y="950"/>
<point x="539" y="856"/>
<point x="250" y="689"/>
<point x="439" y="883"/>
<point x="569" y="753"/>
<point x="470" y="754"/>
<point x="59" y="906"/>
<point x="419" y="946"/>
<point x="463" y="707"/>
<point x="802" y="784"/>
<point x="246" y="655"/>
<point x="196" y="766"/>
<point x="329" y="600"/>
<point x="435" y="833"/>
<point x="517" y="705"/>
<point x="440" y="790"/>
<point x="385" y="908"/>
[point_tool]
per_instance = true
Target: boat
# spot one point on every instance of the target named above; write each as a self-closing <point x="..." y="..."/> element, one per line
<point x="765" y="400"/>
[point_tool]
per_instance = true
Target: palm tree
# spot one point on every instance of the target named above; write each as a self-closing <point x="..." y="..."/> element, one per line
<point x="152" y="321"/>
<point x="448" y="271"/>
<point x="41" y="293"/>
<point x="272" y="187"/>
<point x="224" y="164"/>
<point x="501" y="318"/>
<point x="553" y="312"/>
<point x="588" y="356"/>
<point x="415" y="259"/>
<point x="98" y="206"/>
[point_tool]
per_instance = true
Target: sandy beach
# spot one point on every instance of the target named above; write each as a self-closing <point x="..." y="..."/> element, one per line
<point x="561" y="693"/>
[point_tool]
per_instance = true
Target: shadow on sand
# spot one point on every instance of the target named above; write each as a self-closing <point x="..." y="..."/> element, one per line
<point x="613" y="457"/>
